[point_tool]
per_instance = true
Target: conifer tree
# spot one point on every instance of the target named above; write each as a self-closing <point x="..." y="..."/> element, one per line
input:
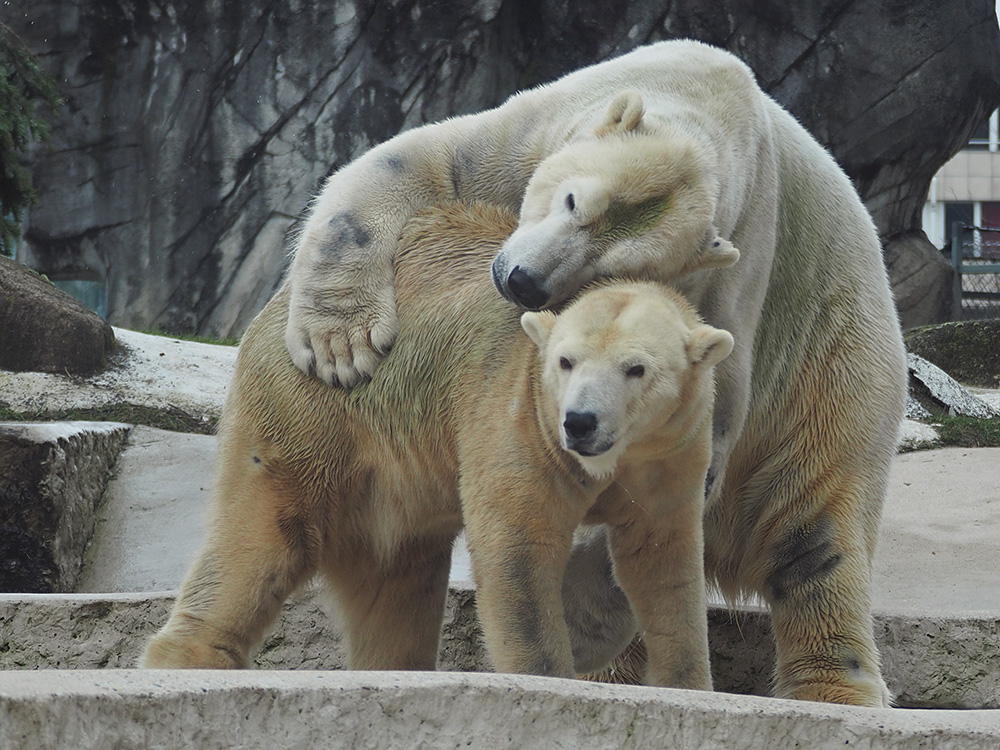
<point x="23" y="83"/>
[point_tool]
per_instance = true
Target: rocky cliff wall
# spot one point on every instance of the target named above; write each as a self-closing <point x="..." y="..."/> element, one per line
<point x="195" y="132"/>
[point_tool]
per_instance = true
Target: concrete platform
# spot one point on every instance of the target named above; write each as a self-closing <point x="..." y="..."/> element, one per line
<point x="387" y="710"/>
<point x="939" y="550"/>
<point x="151" y="522"/>
<point x="936" y="580"/>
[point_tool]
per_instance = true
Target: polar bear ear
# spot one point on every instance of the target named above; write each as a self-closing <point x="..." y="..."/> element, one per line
<point x="718" y="252"/>
<point x="624" y="114"/>
<point x="538" y="326"/>
<point x="707" y="346"/>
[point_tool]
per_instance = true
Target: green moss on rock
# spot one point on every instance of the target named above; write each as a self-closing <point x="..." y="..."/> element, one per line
<point x="969" y="350"/>
<point x="170" y="418"/>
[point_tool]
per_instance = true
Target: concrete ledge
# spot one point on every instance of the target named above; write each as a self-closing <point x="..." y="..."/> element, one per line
<point x="940" y="662"/>
<point x="98" y="631"/>
<point x="170" y="709"/>
<point x="52" y="478"/>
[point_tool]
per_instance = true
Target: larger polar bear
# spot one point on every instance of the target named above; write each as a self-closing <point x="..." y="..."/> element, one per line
<point x="620" y="168"/>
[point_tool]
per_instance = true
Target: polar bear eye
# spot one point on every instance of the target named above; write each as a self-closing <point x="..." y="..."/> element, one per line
<point x="570" y="202"/>
<point x="565" y="364"/>
<point x="636" y="371"/>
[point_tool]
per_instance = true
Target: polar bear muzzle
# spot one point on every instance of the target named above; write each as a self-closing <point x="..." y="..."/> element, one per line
<point x="524" y="289"/>
<point x="579" y="429"/>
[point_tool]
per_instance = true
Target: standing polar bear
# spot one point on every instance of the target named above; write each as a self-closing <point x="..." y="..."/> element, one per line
<point x="608" y="421"/>
<point x="618" y="169"/>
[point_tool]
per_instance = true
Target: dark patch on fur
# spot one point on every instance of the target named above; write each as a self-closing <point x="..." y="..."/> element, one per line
<point x="709" y="482"/>
<point x="852" y="663"/>
<point x="807" y="554"/>
<point x="527" y="618"/>
<point x="395" y="163"/>
<point x="461" y="165"/>
<point x="301" y="536"/>
<point x="237" y="659"/>
<point x="345" y="230"/>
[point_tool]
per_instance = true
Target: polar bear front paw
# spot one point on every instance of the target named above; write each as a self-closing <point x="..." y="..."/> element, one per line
<point x="341" y="338"/>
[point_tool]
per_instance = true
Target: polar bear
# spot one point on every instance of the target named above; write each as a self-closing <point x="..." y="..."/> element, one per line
<point x="600" y="415"/>
<point x="615" y="169"/>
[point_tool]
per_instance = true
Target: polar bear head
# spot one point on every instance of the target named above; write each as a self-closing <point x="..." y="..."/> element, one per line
<point x="621" y="361"/>
<point x="628" y="202"/>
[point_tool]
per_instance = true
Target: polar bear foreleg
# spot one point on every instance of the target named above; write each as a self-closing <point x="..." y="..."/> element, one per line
<point x="342" y="312"/>
<point x="519" y="541"/>
<point x="598" y="613"/>
<point x="658" y="549"/>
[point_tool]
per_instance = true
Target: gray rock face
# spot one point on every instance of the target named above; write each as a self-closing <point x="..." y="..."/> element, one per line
<point x="52" y="476"/>
<point x="193" y="135"/>
<point x="921" y="279"/>
<point x="43" y="329"/>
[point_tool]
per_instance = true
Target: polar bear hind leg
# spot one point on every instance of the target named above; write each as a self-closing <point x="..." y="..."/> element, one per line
<point x="252" y="560"/>
<point x="392" y="610"/>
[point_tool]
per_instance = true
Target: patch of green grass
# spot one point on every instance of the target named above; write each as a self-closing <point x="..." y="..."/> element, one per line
<point x="967" y="432"/>
<point x="175" y="420"/>
<point x="230" y="341"/>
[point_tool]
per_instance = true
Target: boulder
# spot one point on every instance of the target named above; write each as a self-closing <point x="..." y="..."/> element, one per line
<point x="967" y="350"/>
<point x="52" y="477"/>
<point x="43" y="329"/>
<point x="193" y="135"/>
<point x="921" y="280"/>
<point x="933" y="391"/>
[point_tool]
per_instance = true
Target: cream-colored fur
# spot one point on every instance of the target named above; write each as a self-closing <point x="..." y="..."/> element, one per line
<point x="620" y="168"/>
<point x="600" y="415"/>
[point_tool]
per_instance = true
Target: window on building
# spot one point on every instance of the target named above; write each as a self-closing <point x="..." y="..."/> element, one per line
<point x="991" y="214"/>
<point x="985" y="137"/>
<point x="980" y="139"/>
<point x="990" y="219"/>
<point x="956" y="211"/>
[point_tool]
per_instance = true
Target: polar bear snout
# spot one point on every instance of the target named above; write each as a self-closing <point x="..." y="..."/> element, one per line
<point x="537" y="273"/>
<point x="525" y="290"/>
<point x="519" y="286"/>
<point x="582" y="436"/>
<point x="580" y="425"/>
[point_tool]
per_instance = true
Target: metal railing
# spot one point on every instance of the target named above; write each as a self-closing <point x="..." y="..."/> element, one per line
<point x="975" y="256"/>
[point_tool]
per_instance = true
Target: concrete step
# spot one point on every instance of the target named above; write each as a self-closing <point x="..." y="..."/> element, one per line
<point x="388" y="710"/>
<point x="940" y="662"/>
<point x="52" y="478"/>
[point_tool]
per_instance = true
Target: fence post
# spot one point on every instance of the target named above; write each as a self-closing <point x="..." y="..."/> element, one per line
<point x="956" y="264"/>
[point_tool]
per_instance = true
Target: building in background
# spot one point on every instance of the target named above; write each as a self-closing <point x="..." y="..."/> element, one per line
<point x="965" y="196"/>
<point x="967" y="188"/>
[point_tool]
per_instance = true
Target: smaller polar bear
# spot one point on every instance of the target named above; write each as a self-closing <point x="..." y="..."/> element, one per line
<point x="602" y="414"/>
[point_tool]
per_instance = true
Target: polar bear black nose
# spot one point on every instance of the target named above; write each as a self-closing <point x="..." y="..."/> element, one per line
<point x="579" y="425"/>
<point x="525" y="290"/>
